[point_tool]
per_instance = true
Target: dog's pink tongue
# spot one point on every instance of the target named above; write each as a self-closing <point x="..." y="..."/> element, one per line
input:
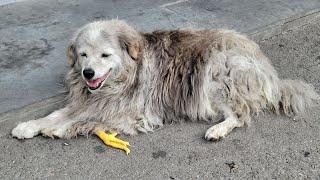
<point x="94" y="83"/>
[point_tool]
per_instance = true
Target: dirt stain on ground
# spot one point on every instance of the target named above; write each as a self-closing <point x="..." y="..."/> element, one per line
<point x="99" y="149"/>
<point x="159" y="154"/>
<point x="17" y="55"/>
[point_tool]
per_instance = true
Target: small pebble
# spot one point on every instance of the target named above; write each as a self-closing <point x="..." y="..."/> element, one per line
<point x="306" y="154"/>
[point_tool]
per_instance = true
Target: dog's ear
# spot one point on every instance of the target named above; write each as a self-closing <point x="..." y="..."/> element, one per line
<point x="131" y="45"/>
<point x="71" y="54"/>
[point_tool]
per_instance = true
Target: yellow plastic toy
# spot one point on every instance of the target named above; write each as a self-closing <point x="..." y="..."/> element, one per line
<point x="111" y="140"/>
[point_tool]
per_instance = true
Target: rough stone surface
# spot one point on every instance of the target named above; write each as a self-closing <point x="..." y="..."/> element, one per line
<point x="272" y="148"/>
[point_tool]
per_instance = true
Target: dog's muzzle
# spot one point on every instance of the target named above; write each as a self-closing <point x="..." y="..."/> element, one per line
<point x="94" y="84"/>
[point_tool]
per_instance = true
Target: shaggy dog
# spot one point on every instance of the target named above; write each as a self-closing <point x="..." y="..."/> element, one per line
<point x="127" y="81"/>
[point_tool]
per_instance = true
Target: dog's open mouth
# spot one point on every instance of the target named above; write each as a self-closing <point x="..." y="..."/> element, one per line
<point x="98" y="82"/>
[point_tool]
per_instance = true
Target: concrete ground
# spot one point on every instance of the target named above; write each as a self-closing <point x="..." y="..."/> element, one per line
<point x="33" y="37"/>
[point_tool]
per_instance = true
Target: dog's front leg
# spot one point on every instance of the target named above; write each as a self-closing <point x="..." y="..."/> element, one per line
<point x="55" y="124"/>
<point x="222" y="129"/>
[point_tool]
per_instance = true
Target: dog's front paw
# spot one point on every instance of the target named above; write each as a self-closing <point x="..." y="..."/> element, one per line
<point x="25" y="130"/>
<point x="216" y="133"/>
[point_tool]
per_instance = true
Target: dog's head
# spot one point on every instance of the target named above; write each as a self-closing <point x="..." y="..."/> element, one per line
<point x="103" y="51"/>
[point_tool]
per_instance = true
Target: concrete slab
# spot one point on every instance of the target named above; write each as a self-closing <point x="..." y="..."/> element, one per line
<point x="272" y="148"/>
<point x="5" y="2"/>
<point x="243" y="15"/>
<point x="35" y="33"/>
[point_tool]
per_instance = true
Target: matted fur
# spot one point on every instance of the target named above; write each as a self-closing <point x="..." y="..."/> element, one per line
<point x="174" y="75"/>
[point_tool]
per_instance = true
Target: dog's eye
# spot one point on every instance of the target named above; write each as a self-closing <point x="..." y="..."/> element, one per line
<point x="104" y="55"/>
<point x="83" y="54"/>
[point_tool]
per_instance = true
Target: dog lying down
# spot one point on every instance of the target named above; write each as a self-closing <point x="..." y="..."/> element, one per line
<point x="125" y="81"/>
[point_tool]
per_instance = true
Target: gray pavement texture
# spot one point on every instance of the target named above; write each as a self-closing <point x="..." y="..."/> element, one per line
<point x="5" y="2"/>
<point x="35" y="33"/>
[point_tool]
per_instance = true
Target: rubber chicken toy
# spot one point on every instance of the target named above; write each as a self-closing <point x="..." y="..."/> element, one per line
<point x="112" y="140"/>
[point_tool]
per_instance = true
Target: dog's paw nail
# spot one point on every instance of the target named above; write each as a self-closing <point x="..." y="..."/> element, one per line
<point x="211" y="138"/>
<point x="214" y="139"/>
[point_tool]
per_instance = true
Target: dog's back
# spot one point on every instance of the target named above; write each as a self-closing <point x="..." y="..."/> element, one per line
<point x="199" y="71"/>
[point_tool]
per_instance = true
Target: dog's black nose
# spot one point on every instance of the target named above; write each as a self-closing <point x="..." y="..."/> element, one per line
<point x="88" y="73"/>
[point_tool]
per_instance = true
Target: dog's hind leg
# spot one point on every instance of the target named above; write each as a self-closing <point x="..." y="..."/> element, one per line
<point x="222" y="129"/>
<point x="55" y="124"/>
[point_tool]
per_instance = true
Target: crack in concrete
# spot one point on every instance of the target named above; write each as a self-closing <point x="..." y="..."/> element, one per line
<point x="173" y="3"/>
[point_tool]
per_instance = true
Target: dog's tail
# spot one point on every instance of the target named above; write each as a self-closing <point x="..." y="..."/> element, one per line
<point x="296" y="96"/>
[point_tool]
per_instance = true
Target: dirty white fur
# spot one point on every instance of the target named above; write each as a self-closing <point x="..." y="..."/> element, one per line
<point x="167" y="76"/>
<point x="54" y="125"/>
